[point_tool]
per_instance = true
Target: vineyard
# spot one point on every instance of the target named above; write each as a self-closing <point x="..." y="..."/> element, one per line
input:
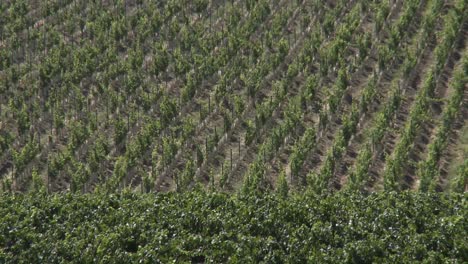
<point x="233" y="97"/>
<point x="195" y="227"/>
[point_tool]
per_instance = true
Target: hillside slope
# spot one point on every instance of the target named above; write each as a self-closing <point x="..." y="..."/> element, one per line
<point x="234" y="95"/>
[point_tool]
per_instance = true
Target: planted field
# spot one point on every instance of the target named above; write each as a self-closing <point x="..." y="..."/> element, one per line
<point x="324" y="95"/>
<point x="195" y="227"/>
<point x="239" y="131"/>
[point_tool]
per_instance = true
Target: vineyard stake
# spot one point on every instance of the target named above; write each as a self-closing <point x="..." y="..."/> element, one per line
<point x="239" y="147"/>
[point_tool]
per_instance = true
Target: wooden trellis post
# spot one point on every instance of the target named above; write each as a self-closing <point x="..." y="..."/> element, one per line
<point x="239" y="147"/>
<point x="48" y="185"/>
<point x="128" y="125"/>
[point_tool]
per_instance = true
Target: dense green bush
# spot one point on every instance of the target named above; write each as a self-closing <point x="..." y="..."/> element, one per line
<point x="196" y="226"/>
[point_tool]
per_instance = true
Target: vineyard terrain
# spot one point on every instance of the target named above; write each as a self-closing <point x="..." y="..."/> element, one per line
<point x="233" y="95"/>
<point x="233" y="131"/>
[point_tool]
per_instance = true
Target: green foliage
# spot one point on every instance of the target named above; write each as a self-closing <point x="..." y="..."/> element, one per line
<point x="200" y="5"/>
<point x="250" y="134"/>
<point x="301" y="150"/>
<point x="23" y="120"/>
<point x="22" y="157"/>
<point x="254" y="179"/>
<point x="188" y="128"/>
<point x="224" y="174"/>
<point x="169" y="150"/>
<point x="168" y="109"/>
<point x="119" y="173"/>
<point x="78" y="135"/>
<point x="6" y="139"/>
<point x="56" y="162"/>
<point x="58" y="119"/>
<point x="461" y="178"/>
<point x="80" y="174"/>
<point x="395" y="165"/>
<point x="428" y="169"/>
<point x="282" y="186"/>
<point x="382" y="14"/>
<point x="97" y="154"/>
<point x="120" y="130"/>
<point x="38" y="184"/>
<point x="189" y="88"/>
<point x="181" y="227"/>
<point x="278" y="78"/>
<point x="187" y="175"/>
